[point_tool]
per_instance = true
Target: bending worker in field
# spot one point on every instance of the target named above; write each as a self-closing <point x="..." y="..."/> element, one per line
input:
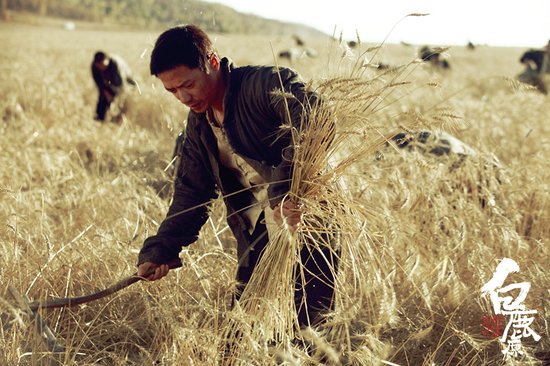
<point x="537" y="67"/>
<point x="234" y="146"/>
<point x="112" y="76"/>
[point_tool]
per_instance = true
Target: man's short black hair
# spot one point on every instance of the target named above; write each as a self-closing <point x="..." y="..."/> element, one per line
<point x="99" y="56"/>
<point x="185" y="45"/>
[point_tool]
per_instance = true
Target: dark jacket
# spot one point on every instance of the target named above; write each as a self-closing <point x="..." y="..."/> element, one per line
<point x="115" y="77"/>
<point x="535" y="56"/>
<point x="257" y="125"/>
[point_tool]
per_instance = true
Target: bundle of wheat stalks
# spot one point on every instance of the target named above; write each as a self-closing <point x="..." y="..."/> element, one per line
<point x="339" y="134"/>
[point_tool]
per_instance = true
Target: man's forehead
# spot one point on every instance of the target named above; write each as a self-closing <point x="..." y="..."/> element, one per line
<point x="178" y="75"/>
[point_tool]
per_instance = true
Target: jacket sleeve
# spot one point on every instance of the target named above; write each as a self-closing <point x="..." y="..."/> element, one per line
<point x="292" y="102"/>
<point x="115" y="77"/>
<point x="193" y="192"/>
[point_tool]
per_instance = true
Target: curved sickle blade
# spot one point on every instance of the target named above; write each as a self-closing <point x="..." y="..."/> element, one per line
<point x="41" y="326"/>
<point x="73" y="301"/>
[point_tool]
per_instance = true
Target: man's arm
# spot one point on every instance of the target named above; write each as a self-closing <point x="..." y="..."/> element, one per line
<point x="290" y="101"/>
<point x="115" y="78"/>
<point x="293" y="107"/>
<point x="97" y="78"/>
<point x="194" y="190"/>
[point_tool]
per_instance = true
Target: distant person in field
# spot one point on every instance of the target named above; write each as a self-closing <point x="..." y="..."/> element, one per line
<point x="234" y="146"/>
<point x="436" y="143"/>
<point x="537" y="67"/>
<point x="112" y="76"/>
<point x="434" y="57"/>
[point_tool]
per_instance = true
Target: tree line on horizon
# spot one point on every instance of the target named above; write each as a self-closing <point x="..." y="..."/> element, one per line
<point x="212" y="17"/>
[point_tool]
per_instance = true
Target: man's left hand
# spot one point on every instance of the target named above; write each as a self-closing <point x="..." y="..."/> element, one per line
<point x="288" y="212"/>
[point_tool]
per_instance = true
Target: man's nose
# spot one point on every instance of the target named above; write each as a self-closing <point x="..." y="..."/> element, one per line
<point x="183" y="96"/>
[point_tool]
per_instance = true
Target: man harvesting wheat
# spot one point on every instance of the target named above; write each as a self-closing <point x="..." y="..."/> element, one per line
<point x="537" y="67"/>
<point x="112" y="76"/>
<point x="238" y="143"/>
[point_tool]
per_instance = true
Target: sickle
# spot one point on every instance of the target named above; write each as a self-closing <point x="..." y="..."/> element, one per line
<point x="73" y="301"/>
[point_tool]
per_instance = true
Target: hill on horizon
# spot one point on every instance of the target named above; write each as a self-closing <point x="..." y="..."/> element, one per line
<point x="212" y="17"/>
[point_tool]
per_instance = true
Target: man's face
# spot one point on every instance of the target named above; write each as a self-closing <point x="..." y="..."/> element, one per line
<point x="102" y="65"/>
<point x="195" y="88"/>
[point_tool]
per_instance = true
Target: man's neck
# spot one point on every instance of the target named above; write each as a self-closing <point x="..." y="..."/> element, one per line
<point x="216" y="118"/>
<point x="218" y="105"/>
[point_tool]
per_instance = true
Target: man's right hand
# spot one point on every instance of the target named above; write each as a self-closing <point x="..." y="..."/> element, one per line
<point x="152" y="271"/>
<point x="108" y="95"/>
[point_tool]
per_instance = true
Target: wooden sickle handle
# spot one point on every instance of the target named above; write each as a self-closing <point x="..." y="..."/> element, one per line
<point x="73" y="301"/>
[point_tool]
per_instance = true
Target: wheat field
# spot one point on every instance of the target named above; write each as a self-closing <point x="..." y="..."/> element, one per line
<point x="79" y="197"/>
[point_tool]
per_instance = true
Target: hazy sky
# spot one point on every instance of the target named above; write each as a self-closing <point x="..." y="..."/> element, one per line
<point x="524" y="23"/>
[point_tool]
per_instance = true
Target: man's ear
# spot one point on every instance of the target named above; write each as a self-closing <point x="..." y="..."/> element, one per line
<point x="214" y="61"/>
